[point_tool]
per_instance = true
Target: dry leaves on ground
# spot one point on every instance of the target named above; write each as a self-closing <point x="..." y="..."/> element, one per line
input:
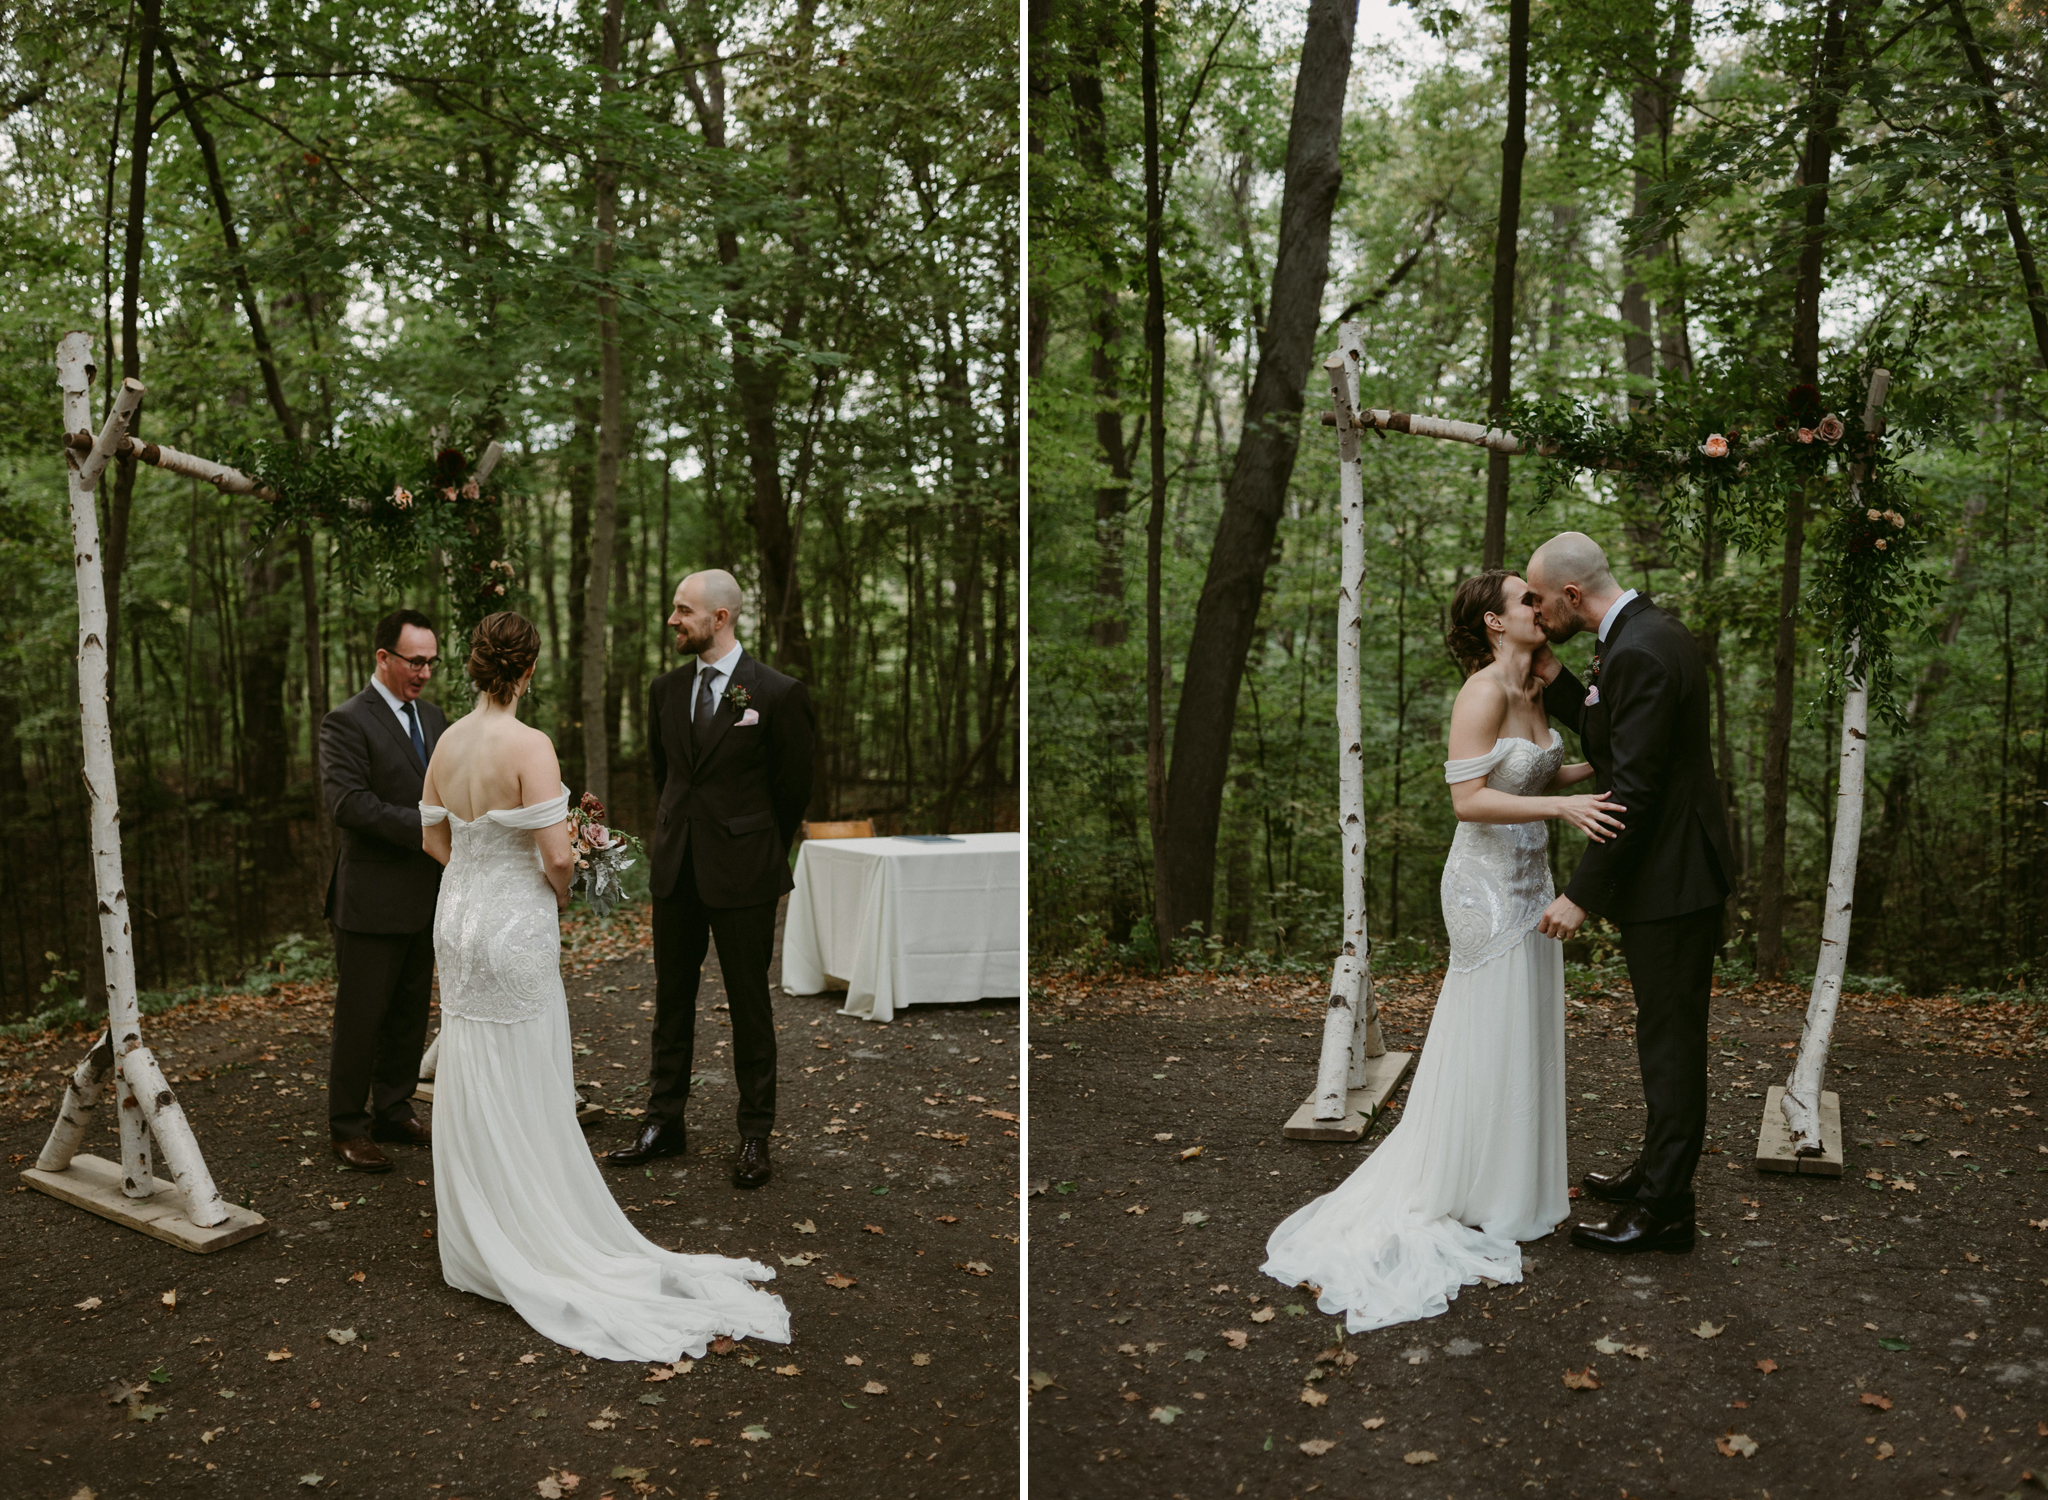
<point x="1419" y="1456"/>
<point x="558" y="1484"/>
<point x="1733" y="1444"/>
<point x="1607" y="1345"/>
<point x="875" y="1388"/>
<point x="1317" y="1447"/>
<point x="1265" y="1315"/>
<point x="1872" y="1398"/>
<point x="1582" y="1380"/>
<point x="1237" y="1338"/>
<point x="1310" y="1396"/>
<point x="1766" y="1365"/>
<point x="1708" y="1330"/>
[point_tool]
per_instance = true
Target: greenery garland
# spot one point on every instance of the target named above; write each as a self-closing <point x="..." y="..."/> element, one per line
<point x="1736" y="448"/>
<point x="394" y="514"/>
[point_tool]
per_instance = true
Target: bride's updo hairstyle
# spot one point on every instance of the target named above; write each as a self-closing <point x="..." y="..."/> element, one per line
<point x="501" y="650"/>
<point x="1478" y="596"/>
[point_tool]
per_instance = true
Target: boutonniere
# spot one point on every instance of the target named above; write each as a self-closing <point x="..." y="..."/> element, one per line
<point x="737" y="696"/>
<point x="1593" y="682"/>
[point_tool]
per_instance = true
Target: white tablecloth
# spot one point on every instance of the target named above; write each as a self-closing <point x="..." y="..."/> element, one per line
<point x="900" y="922"/>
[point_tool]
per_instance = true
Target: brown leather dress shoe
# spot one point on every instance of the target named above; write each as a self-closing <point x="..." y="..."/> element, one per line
<point x="410" y="1132"/>
<point x="750" y="1167"/>
<point x="360" y="1154"/>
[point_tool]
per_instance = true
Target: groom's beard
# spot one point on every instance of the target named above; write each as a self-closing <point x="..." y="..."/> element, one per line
<point x="693" y="645"/>
<point x="1561" y="631"/>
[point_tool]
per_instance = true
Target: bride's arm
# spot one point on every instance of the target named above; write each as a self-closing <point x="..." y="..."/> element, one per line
<point x="1477" y="717"/>
<point x="540" y="780"/>
<point x="1570" y="776"/>
<point x="435" y="838"/>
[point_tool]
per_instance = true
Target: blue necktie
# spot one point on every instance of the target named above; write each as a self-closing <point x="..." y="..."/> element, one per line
<point x="419" y="742"/>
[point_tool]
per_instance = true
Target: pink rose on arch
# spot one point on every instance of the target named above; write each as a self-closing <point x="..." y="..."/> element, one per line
<point x="1806" y="434"/>
<point x="402" y="498"/>
<point x="1830" y="428"/>
<point x="469" y="490"/>
<point x="1716" y="446"/>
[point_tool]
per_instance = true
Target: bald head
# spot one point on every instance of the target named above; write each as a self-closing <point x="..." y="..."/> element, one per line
<point x="1572" y="583"/>
<point x="707" y="607"/>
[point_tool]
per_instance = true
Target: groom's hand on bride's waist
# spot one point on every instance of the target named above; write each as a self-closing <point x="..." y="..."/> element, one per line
<point x="1561" y="918"/>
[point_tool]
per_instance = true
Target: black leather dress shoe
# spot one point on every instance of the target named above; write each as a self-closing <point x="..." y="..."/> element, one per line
<point x="1636" y="1227"/>
<point x="654" y="1140"/>
<point x="1614" y="1187"/>
<point x="406" y="1132"/>
<point x="750" y="1168"/>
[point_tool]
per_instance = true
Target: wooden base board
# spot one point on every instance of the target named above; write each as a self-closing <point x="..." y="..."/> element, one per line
<point x="423" y="1091"/>
<point x="1382" y="1075"/>
<point x="93" y="1183"/>
<point x="1774" y="1151"/>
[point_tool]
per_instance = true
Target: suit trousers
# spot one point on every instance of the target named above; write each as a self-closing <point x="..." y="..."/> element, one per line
<point x="684" y="928"/>
<point x="1671" y="966"/>
<point x="380" y="1027"/>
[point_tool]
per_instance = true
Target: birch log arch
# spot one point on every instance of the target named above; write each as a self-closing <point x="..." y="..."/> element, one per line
<point x="1865" y="586"/>
<point x="151" y="1121"/>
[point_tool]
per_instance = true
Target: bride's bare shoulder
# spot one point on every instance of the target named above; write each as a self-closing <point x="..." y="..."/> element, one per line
<point x="1482" y="694"/>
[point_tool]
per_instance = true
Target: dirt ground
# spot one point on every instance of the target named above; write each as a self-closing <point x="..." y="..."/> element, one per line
<point x="1882" y="1333"/>
<point x="892" y="1220"/>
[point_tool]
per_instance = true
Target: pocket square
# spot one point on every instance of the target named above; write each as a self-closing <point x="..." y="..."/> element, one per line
<point x="749" y="717"/>
<point x="1592" y="696"/>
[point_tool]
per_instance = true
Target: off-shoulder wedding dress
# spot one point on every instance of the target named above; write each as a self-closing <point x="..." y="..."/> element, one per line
<point x="1477" y="1161"/>
<point x="524" y="1216"/>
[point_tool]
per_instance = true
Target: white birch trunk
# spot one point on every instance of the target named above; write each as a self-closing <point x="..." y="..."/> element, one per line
<point x="161" y="456"/>
<point x="173" y="1134"/>
<point x="81" y="1096"/>
<point x="1801" y="1100"/>
<point x="1349" y="1030"/>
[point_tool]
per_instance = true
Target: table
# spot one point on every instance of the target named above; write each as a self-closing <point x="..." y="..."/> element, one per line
<point x="902" y="922"/>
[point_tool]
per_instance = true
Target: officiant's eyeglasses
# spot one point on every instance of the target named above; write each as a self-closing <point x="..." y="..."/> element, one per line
<point x="417" y="663"/>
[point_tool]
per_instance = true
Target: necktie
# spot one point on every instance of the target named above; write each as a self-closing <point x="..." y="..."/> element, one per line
<point x="419" y="742"/>
<point x="707" y="703"/>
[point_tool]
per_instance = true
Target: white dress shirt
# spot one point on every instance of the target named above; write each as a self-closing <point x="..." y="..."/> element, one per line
<point x="397" y="707"/>
<point x="721" y="674"/>
<point x="1614" y="609"/>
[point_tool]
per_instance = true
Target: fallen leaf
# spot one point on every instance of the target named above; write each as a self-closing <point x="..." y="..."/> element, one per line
<point x="700" y="1442"/>
<point x="622" y="1472"/>
<point x="1955" y="1154"/>
<point x="1164" y="1415"/>
<point x="211" y="1434"/>
<point x="1164" y="1135"/>
<point x="920" y="1359"/>
<point x="1373" y="1424"/>
<point x="1237" y="1338"/>
<point x="357" y="1277"/>
<point x="799" y="1260"/>
<point x="170" y="1299"/>
<point x="1973" y="1257"/>
<point x="651" y="1398"/>
<point x="1190" y="1154"/>
<point x="855" y="1359"/>
<point x="1582" y="1380"/>
<point x="1139" y="1209"/>
<point x="1310" y="1396"/>
<point x="1419" y="1456"/>
<point x="311" y="1481"/>
<point x="787" y="1370"/>
<point x="1885" y="1450"/>
<point x="1317" y="1447"/>
<point x="1961" y="1415"/>
<point x="946" y="1219"/>
<point x="1606" y="1345"/>
<point x="342" y="1335"/>
<point x="277" y="1354"/>
<point x="138" y="1412"/>
<point x="1897" y="1346"/>
<point x="999" y="1114"/>
<point x="872" y="1228"/>
<point x="1195" y="1217"/>
<point x="1767" y="1365"/>
<point x="527" y="1359"/>
<point x="840" y="1281"/>
<point x="1871" y="1398"/>
<point x="1040" y="1379"/>
<point x="661" y="1372"/>
<point x="875" y="1388"/>
<point x="1265" y="1315"/>
<point x="87" y="1305"/>
<point x="1708" y="1330"/>
<point x="976" y="1267"/>
<point x="1733" y="1444"/>
<point x="806" y="1227"/>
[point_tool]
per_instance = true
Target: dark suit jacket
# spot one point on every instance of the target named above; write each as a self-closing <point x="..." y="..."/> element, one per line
<point x="734" y="806"/>
<point x="1647" y="738"/>
<point x="383" y="880"/>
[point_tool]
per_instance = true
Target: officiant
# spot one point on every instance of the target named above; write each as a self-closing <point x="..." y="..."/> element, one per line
<point x="374" y="751"/>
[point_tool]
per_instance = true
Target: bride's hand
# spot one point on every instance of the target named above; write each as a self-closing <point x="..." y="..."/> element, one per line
<point x="1592" y="813"/>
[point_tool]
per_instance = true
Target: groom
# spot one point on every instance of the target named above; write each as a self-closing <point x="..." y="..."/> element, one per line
<point x="1642" y="717"/>
<point x="730" y="745"/>
<point x="374" y="751"/>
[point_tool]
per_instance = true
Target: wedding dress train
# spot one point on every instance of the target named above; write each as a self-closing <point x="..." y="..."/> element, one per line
<point x="524" y="1215"/>
<point x="1477" y="1161"/>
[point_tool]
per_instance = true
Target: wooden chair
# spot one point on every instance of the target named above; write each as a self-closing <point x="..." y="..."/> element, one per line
<point x="850" y="828"/>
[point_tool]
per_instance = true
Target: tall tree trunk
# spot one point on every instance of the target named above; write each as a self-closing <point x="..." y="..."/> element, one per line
<point x="611" y="439"/>
<point x="2008" y="189"/>
<point x="1507" y="236"/>
<point x="1652" y="107"/>
<point x="1155" y="521"/>
<point x="1228" y="610"/>
<point x="1824" y="113"/>
<point x="578" y="471"/>
<point x="114" y="550"/>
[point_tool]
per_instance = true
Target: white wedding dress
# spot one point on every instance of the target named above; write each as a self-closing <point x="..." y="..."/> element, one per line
<point x="525" y="1216"/>
<point x="1477" y="1161"/>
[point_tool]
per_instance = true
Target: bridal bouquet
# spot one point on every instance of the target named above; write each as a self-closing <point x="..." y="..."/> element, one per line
<point x="603" y="855"/>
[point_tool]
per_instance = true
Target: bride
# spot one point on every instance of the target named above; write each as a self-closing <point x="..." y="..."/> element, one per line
<point x="1478" y="1160"/>
<point x="524" y="1216"/>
